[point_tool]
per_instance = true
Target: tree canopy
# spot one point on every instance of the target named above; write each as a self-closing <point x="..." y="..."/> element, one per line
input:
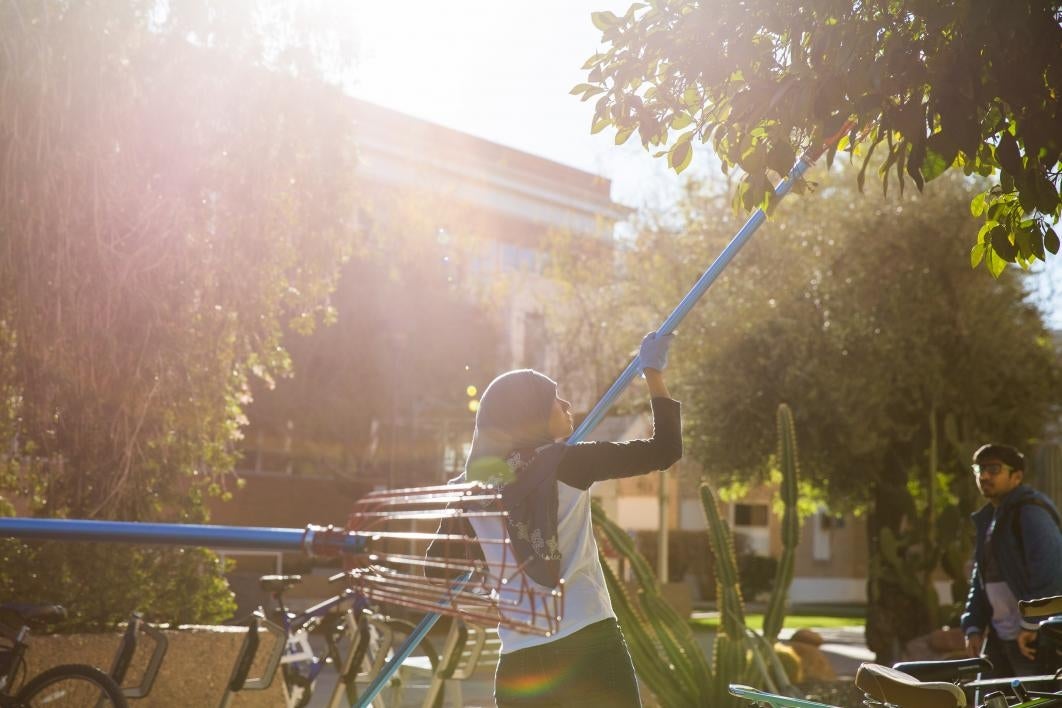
<point x="410" y="335"/>
<point x="929" y="86"/>
<point x="896" y="358"/>
<point x="175" y="190"/>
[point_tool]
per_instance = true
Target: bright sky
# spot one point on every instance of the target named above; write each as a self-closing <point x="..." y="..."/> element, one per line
<point x="501" y="70"/>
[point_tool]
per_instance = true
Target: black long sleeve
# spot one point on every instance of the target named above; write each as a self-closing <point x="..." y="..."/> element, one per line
<point x="589" y="462"/>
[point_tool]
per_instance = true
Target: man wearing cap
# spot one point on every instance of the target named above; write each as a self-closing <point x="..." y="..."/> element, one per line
<point x="1018" y="556"/>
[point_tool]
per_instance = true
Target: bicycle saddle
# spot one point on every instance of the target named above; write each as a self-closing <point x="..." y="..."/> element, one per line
<point x="1041" y="607"/>
<point x="27" y="613"/>
<point x="1052" y="629"/>
<point x="1049" y="607"/>
<point x="891" y="686"/>
<point x="278" y="583"/>
<point x="951" y="670"/>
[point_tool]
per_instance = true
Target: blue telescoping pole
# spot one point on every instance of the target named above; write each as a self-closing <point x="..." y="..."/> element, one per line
<point x="597" y="413"/>
<point x="313" y="539"/>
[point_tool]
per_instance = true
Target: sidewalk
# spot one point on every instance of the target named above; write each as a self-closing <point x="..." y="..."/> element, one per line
<point x="844" y="647"/>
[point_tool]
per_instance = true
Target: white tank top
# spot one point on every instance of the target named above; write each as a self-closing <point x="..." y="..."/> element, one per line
<point x="586" y="598"/>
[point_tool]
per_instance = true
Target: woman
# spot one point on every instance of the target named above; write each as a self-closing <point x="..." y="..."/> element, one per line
<point x="518" y="443"/>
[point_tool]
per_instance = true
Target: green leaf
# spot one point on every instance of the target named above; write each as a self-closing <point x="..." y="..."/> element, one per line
<point x="934" y="165"/>
<point x="680" y="155"/>
<point x="691" y="98"/>
<point x="977" y="254"/>
<point x="1038" y="243"/>
<point x="1046" y="194"/>
<point x="593" y="61"/>
<point x="622" y="135"/>
<point x="943" y="145"/>
<point x="1006" y="182"/>
<point x="994" y="209"/>
<point x="977" y="204"/>
<point x="1051" y="240"/>
<point x="985" y="228"/>
<point x="604" y="20"/>
<point x="862" y="176"/>
<point x="1023" y="240"/>
<point x="781" y="157"/>
<point x="1001" y="243"/>
<point x="1027" y="197"/>
<point x="579" y="88"/>
<point x="599" y="125"/>
<point x="753" y="196"/>
<point x="1007" y="154"/>
<point x="680" y="121"/>
<point x="995" y="264"/>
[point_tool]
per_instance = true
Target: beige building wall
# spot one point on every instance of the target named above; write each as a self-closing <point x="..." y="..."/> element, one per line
<point x="831" y="557"/>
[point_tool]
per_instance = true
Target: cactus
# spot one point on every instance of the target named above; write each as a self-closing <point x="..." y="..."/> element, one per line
<point x="730" y="653"/>
<point x="731" y="605"/>
<point x="787" y="459"/>
<point x="664" y="651"/>
<point x="662" y="646"/>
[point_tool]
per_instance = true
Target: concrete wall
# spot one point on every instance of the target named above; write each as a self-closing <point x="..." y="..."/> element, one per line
<point x="194" y="672"/>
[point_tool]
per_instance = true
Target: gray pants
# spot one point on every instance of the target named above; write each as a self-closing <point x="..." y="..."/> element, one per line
<point x="1007" y="660"/>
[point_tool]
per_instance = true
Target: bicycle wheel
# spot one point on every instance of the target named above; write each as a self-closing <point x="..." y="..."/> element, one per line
<point x="299" y="687"/>
<point x="71" y="686"/>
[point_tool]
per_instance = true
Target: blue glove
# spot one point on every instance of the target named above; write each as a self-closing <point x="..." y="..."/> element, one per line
<point x="653" y="353"/>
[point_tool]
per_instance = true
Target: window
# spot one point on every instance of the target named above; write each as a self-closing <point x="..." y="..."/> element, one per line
<point x="821" y="549"/>
<point x="750" y="525"/>
<point x="831" y="522"/>
<point x="521" y="259"/>
<point x="750" y="515"/>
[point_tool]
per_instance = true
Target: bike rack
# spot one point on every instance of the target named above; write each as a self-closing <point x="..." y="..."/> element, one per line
<point x="459" y="658"/>
<point x="127" y="649"/>
<point x="339" y="692"/>
<point x="241" y="668"/>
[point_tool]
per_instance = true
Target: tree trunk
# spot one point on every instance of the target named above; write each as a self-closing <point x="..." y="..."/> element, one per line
<point x="894" y="615"/>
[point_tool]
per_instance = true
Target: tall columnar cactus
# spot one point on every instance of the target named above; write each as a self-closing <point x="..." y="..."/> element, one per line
<point x="731" y="607"/>
<point x="730" y="653"/>
<point x="666" y="656"/>
<point x="787" y="459"/>
<point x="665" y="653"/>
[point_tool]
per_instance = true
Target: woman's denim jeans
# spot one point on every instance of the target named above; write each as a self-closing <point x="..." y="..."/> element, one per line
<point x="589" y="668"/>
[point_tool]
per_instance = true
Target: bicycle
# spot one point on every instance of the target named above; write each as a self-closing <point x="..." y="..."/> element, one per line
<point x="940" y="684"/>
<point x="344" y="619"/>
<point x="64" y="686"/>
<point x="889" y="688"/>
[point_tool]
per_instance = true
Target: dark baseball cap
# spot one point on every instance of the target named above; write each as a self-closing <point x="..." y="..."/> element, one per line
<point x="1010" y="456"/>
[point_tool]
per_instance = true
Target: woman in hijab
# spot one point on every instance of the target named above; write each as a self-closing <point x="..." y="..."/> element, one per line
<point x="518" y="443"/>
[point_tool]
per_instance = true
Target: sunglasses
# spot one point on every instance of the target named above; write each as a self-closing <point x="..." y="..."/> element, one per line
<point x="991" y="468"/>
